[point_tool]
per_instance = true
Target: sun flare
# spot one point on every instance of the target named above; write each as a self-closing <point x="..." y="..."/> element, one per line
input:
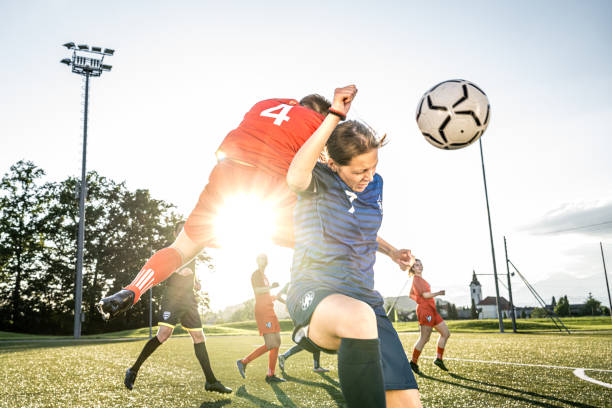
<point x="245" y="222"/>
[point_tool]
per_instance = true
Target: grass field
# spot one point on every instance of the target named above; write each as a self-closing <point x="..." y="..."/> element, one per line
<point x="487" y="370"/>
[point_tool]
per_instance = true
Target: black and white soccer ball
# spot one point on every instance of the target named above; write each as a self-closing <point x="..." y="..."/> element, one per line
<point x="453" y="114"/>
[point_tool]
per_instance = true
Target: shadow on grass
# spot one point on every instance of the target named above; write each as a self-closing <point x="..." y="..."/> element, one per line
<point x="216" y="404"/>
<point x="13" y="346"/>
<point x="330" y="380"/>
<point x="282" y="397"/>
<point x="256" y="401"/>
<point x="508" y="395"/>
<point x="333" y="390"/>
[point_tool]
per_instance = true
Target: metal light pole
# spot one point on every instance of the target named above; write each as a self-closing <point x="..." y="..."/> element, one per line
<point x="606" y="275"/>
<point x="512" y="311"/>
<point x="88" y="63"/>
<point x="484" y="178"/>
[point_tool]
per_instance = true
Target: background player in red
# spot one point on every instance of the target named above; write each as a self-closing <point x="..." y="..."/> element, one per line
<point x="179" y="305"/>
<point x="267" y="322"/>
<point x="252" y="158"/>
<point x="428" y="316"/>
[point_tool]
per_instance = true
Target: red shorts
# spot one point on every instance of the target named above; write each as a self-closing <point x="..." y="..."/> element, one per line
<point x="229" y="178"/>
<point x="266" y="319"/>
<point x="428" y="316"/>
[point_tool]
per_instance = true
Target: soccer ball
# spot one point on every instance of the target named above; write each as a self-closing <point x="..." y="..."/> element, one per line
<point x="453" y="114"/>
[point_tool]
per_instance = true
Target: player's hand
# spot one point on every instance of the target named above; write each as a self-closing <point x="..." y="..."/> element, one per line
<point x="343" y="98"/>
<point x="274" y="285"/>
<point x="197" y="286"/>
<point x="404" y="258"/>
<point x="442" y="292"/>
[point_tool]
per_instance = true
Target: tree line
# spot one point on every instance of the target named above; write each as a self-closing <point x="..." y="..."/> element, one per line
<point x="38" y="246"/>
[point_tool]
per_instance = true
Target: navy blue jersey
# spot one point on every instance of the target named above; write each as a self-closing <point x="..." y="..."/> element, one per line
<point x="335" y="237"/>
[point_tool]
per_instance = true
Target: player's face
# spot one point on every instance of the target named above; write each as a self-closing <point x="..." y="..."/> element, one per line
<point x="360" y="170"/>
<point x="417" y="267"/>
<point x="262" y="261"/>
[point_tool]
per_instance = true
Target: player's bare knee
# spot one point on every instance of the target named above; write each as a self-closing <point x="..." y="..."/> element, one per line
<point x="197" y="336"/>
<point x="361" y="325"/>
<point x="162" y="337"/>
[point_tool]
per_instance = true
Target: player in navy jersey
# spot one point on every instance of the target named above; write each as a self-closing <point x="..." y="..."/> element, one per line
<point x="179" y="305"/>
<point x="332" y="300"/>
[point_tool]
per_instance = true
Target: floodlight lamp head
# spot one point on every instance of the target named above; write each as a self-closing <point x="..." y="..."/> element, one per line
<point x="106" y="67"/>
<point x="96" y="49"/>
<point x="109" y="51"/>
<point x="69" y="45"/>
<point x="83" y="47"/>
<point x="66" y="61"/>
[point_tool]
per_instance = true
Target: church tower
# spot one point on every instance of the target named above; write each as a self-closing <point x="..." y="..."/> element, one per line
<point x="475" y="289"/>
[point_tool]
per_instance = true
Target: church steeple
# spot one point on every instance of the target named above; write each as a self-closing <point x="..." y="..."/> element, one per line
<point x="475" y="289"/>
<point x="474" y="279"/>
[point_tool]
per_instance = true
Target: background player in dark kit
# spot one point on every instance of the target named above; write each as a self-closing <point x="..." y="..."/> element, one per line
<point x="179" y="305"/>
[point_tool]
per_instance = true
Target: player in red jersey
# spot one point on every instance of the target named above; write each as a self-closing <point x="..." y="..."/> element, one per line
<point x="428" y="316"/>
<point x="267" y="322"/>
<point x="253" y="158"/>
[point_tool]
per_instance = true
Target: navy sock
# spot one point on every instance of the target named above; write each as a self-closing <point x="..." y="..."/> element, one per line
<point x="317" y="359"/>
<point x="360" y="373"/>
<point x="147" y="350"/>
<point x="202" y="355"/>
<point x="292" y="351"/>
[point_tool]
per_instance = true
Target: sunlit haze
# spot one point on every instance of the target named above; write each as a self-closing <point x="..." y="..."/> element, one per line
<point x="184" y="74"/>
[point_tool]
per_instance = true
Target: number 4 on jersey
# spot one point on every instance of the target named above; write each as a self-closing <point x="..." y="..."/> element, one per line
<point x="280" y="116"/>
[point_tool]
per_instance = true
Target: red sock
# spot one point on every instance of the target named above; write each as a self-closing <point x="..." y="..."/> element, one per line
<point x="258" y="352"/>
<point x="272" y="357"/>
<point x="156" y="270"/>
<point x="440" y="352"/>
<point x="415" y="355"/>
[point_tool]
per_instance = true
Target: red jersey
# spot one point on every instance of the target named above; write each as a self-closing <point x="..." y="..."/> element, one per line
<point x="271" y="133"/>
<point x="259" y="280"/>
<point x="420" y="286"/>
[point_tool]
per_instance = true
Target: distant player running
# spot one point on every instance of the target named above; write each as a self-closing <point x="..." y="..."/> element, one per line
<point x="179" y="305"/>
<point x="267" y="322"/>
<point x="253" y="158"/>
<point x="428" y="316"/>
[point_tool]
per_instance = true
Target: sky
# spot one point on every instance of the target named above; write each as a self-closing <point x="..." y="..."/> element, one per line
<point x="184" y="73"/>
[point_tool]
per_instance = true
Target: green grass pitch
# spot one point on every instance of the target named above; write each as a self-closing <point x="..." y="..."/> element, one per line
<point x="486" y="370"/>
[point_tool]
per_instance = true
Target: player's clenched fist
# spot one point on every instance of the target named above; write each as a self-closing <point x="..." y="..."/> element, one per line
<point x="343" y="98"/>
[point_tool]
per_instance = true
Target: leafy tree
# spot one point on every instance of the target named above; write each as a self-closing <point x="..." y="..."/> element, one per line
<point x="21" y="211"/>
<point x="38" y="234"/>
<point x="538" y="312"/>
<point x="553" y="302"/>
<point x="523" y="314"/>
<point x="473" y="310"/>
<point x="246" y="312"/>
<point x="592" y="306"/>
<point x="452" y="311"/>
<point x="562" y="308"/>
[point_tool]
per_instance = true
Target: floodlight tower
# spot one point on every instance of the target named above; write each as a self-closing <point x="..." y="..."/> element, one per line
<point x="497" y="300"/>
<point x="88" y="63"/>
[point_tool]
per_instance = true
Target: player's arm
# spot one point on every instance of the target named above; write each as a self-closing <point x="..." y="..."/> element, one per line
<point x="258" y="283"/>
<point x="402" y="257"/>
<point x="300" y="170"/>
<point x="259" y="290"/>
<point x="429" y="295"/>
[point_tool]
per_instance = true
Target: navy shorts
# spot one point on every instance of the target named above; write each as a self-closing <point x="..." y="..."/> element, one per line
<point x="397" y="373"/>
<point x="183" y="310"/>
